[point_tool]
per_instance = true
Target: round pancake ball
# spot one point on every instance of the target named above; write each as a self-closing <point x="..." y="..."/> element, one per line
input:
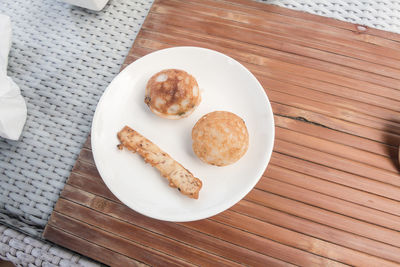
<point x="172" y="94"/>
<point x="220" y="138"/>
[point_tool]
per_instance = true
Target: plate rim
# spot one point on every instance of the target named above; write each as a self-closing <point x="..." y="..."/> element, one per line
<point x="220" y="208"/>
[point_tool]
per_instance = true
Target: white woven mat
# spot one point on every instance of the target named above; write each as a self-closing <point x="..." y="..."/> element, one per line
<point x="63" y="57"/>
<point x="23" y="250"/>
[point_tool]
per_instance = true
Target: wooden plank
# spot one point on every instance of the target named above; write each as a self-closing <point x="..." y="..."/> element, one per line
<point x="89" y="249"/>
<point x="336" y="176"/>
<point x="334" y="136"/>
<point x="336" y="124"/>
<point x="332" y="189"/>
<point x="86" y="168"/>
<point x="259" y="244"/>
<point x="86" y="155"/>
<point x="91" y="185"/>
<point x="324" y="217"/>
<point x="87" y="143"/>
<point x="136" y="234"/>
<point x="321" y="231"/>
<point x="171" y="230"/>
<point x="316" y="199"/>
<point x="333" y="161"/>
<point x="375" y="113"/>
<point x="113" y="242"/>
<point x="331" y="147"/>
<point x="301" y="241"/>
<point x="334" y="112"/>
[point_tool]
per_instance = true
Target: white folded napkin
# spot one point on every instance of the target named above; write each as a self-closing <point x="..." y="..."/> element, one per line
<point x="96" y="5"/>
<point x="12" y="104"/>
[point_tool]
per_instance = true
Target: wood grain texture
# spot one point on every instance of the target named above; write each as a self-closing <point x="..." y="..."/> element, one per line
<point x="331" y="194"/>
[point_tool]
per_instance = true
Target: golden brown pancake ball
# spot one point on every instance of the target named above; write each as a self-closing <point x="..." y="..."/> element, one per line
<point x="220" y="138"/>
<point x="172" y="94"/>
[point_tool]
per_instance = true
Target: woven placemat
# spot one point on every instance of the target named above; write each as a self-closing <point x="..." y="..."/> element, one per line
<point x="23" y="250"/>
<point x="62" y="57"/>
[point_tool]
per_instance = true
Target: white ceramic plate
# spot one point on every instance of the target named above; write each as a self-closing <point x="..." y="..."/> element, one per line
<point x="226" y="85"/>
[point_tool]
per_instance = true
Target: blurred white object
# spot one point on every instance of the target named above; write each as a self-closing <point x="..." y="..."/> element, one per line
<point x="96" y="5"/>
<point x="12" y="104"/>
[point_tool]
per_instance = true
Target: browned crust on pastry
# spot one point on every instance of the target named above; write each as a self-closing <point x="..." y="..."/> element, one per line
<point x="176" y="174"/>
<point x="220" y="138"/>
<point x="172" y="94"/>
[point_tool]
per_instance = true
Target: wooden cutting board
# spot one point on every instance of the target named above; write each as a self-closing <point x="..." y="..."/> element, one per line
<point x="331" y="193"/>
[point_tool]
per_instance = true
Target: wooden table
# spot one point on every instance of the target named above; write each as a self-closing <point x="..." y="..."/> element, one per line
<point x="330" y="195"/>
